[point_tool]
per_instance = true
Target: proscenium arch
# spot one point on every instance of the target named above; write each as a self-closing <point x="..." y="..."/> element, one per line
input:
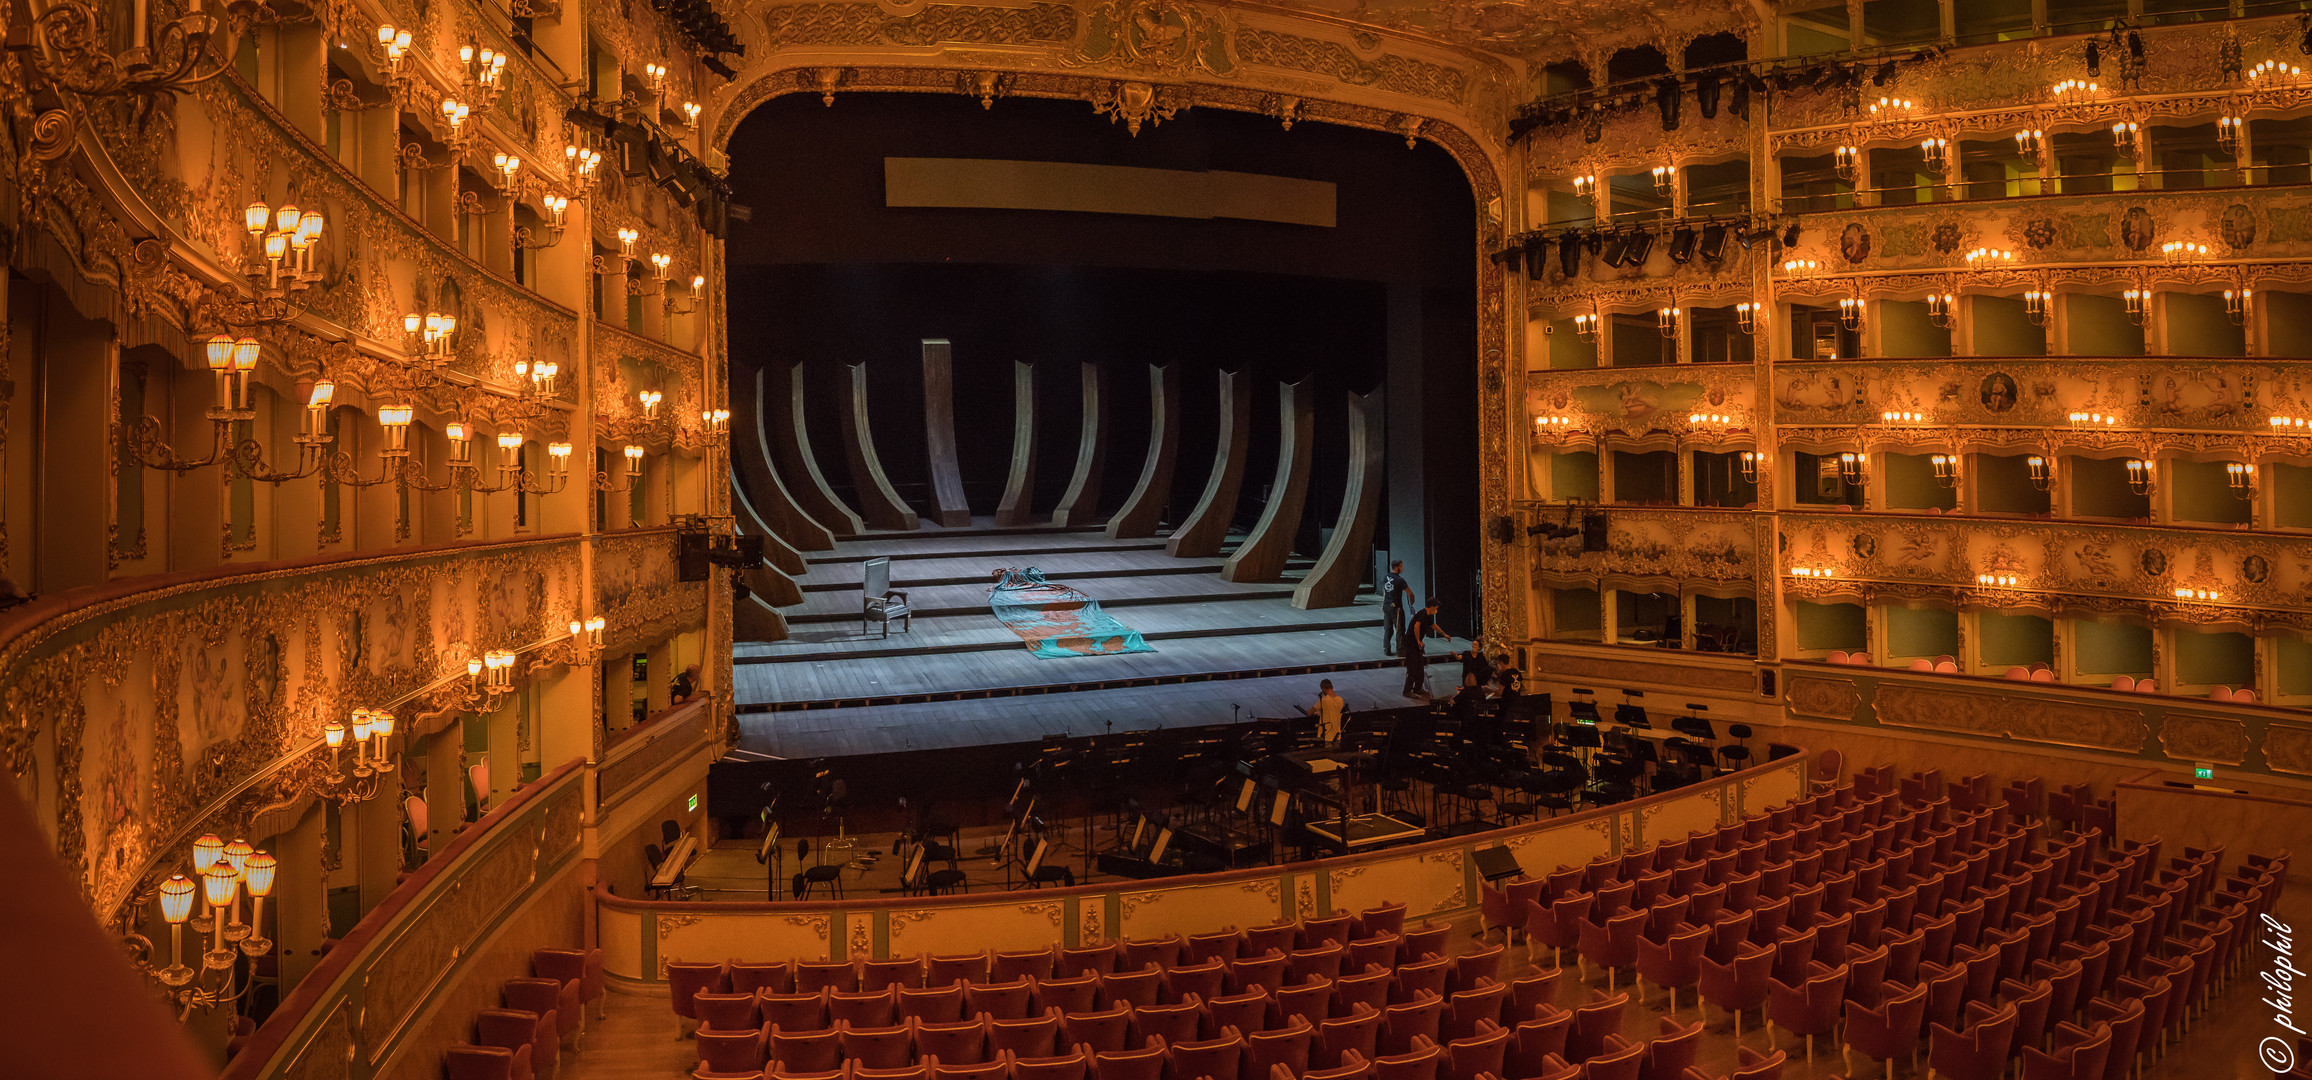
<point x="1499" y="383"/>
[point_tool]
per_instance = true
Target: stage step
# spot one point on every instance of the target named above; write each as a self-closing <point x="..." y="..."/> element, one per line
<point x="958" y="543"/>
<point x="936" y="601"/>
<point x="1090" y="686"/>
<point x="1106" y="562"/>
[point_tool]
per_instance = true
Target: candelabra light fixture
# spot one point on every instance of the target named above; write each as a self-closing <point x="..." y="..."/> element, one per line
<point x="1902" y="416"/>
<point x="233" y="361"/>
<point x="509" y="170"/>
<point x="2042" y="471"/>
<point x="1586" y="324"/>
<point x="222" y="873"/>
<point x="2181" y="251"/>
<point x="373" y="756"/>
<point x="2140" y="476"/>
<point x="485" y="73"/>
<point x="492" y="672"/>
<point x="285" y="238"/>
<point x="716" y="422"/>
<point x="2183" y="593"/>
<point x="1746" y="317"/>
<point x="1852" y="465"/>
<point x="541" y="375"/>
<point x="2039" y="305"/>
<point x="1849" y="162"/>
<point x="2027" y="142"/>
<point x="2090" y="420"/>
<point x="1942" y="309"/>
<point x="455" y="113"/>
<point x="1553" y="423"/>
<point x="656" y="74"/>
<point x="2242" y="476"/>
<point x="1665" y="178"/>
<point x="1998" y="581"/>
<point x="392" y="52"/>
<point x="1585" y="185"/>
<point x="1946" y="468"/>
<point x="1708" y="420"/>
<point x="629" y="479"/>
<point x="687" y="303"/>
<point x="1750" y="460"/>
<point x="690" y="111"/>
<point x="1850" y="312"/>
<point x="626" y="239"/>
<point x="2228" y="130"/>
<point x="2290" y="425"/>
<point x="1666" y="320"/>
<point x="466" y="473"/>
<point x="2138" y="301"/>
<point x="1813" y="571"/>
<point x="1989" y="258"/>
<point x="1800" y="268"/>
<point x="650" y="400"/>
<point x="583" y="167"/>
<point x="430" y="335"/>
<point x="1937" y="150"/>
<point x="2123" y="138"/>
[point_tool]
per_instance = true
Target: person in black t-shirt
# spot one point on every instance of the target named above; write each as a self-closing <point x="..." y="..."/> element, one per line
<point x="1394" y="593"/>
<point x="1423" y="625"/>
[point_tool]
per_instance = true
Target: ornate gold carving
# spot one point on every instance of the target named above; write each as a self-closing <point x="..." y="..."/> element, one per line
<point x="1136" y="103"/>
<point x="1830" y="699"/>
<point x="2203" y="738"/>
<point x="2049" y="721"/>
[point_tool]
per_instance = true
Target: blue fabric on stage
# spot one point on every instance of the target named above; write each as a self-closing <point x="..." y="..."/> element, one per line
<point x="1058" y="621"/>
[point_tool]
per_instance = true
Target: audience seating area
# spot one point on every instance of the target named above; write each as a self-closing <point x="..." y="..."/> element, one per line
<point x="1880" y="917"/>
<point x="543" y="1014"/>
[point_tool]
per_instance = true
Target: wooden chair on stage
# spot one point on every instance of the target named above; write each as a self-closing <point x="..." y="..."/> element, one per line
<point x="883" y="603"/>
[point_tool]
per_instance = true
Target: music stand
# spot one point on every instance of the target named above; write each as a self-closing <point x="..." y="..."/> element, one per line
<point x="1163" y="844"/>
<point x="1496" y="862"/>
<point x="772" y="857"/>
<point x="914" y="871"/>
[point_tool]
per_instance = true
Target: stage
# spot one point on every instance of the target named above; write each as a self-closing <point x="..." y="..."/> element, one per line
<point x="1223" y="650"/>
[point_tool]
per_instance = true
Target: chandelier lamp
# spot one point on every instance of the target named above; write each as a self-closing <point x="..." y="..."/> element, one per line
<point x="1666" y="320"/>
<point x="1852" y="466"/>
<point x="392" y="51"/>
<point x="359" y="780"/>
<point x="485" y="73"/>
<point x="1942" y="309"/>
<point x="1746" y="317"/>
<point x="650" y="400"/>
<point x="1946" y="468"/>
<point x="1750" y="460"/>
<point x="629" y="479"/>
<point x="2039" y="305"/>
<point x="1586" y="325"/>
<point x="1665" y="178"/>
<point x="1849" y="162"/>
<point x="2242" y="476"/>
<point x="1850" y="312"/>
<point x="430" y="335"/>
<point x="2140" y="476"/>
<point x="583" y="167"/>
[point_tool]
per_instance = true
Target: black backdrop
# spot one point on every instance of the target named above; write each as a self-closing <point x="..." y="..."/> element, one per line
<point x="824" y="273"/>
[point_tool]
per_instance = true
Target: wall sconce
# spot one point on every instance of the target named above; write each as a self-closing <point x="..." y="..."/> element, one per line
<point x="661" y="266"/>
<point x="684" y="305"/>
<point x="1586" y="185"/>
<point x="690" y="111"/>
<point x="1885" y="108"/>
<point x="2198" y="594"/>
<point x="455" y="113"/>
<point x="1902" y="416"/>
<point x="717" y="422"/>
<point x="1665" y="177"/>
<point x="391" y="50"/>
<point x="656" y="74"/>
<point x="586" y="640"/>
<point x="1851" y="466"/>
<point x="430" y="335"/>
<point x="372" y="731"/>
<point x="2139" y="476"/>
<point x="2094" y="420"/>
<point x="2123" y="138"/>
<point x="631" y="477"/>
<point x="2290" y="425"/>
<point x="2027" y="142"/>
<point x="1586" y="325"/>
<point x="1937" y="150"/>
<point x="2243" y="478"/>
<point x="466" y="473"/>
<point x="2272" y="73"/>
<point x="234" y="363"/>
<point x="485" y="73"/>
<point x="2042" y="471"/>
<point x="557" y="471"/>
<point x="1942" y="309"/>
<point x="583" y="167"/>
<point x="1799" y="269"/>
<point x="285" y="238"/>
<point x="1998" y="581"/>
<point x="541" y="375"/>
<point x="1985" y="258"/>
<point x="2179" y="251"/>
<point x="2039" y="306"/>
<point x="650" y="400"/>
<point x="2228" y="129"/>
<point x="221" y="874"/>
<point x="1666" y="320"/>
<point x="1813" y="571"/>
<point x="626" y="239"/>
<point x="508" y="167"/>
<point x="394" y="420"/>
<point x="2071" y="91"/>
<point x="1850" y="312"/>
<point x="2236" y="304"/>
<point x="1849" y="162"/>
<point x="2138" y="305"/>
<point x="1714" y="420"/>
<point x="1750" y="460"/>
<point x="1946" y="468"/>
<point x="1548" y="424"/>
<point x="1746" y="317"/>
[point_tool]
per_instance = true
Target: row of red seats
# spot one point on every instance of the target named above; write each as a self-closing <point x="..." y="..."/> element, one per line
<point x="543" y="1013"/>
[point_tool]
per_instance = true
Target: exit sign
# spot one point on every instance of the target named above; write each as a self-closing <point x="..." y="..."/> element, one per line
<point x="694" y="802"/>
<point x="2199" y="771"/>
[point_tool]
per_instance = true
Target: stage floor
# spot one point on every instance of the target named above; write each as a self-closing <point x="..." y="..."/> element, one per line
<point x="834" y="689"/>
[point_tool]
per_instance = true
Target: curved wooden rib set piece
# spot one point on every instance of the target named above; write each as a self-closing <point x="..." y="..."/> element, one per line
<point x="809" y="516"/>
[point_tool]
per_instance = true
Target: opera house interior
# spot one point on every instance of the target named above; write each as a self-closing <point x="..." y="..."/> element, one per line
<point x="1155" y="539"/>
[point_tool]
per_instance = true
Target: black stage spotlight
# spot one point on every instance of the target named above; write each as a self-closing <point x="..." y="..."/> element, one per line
<point x="1569" y="255"/>
<point x="1668" y="97"/>
<point x="1885" y="71"/>
<point x="714" y="64"/>
<point x="1537" y="260"/>
<point x="1706" y="95"/>
<point x="2094" y="58"/>
<point x="1641" y="245"/>
<point x="1616" y="250"/>
<point x="1790" y="236"/>
<point x="1682" y="244"/>
<point x="1713" y="242"/>
<point x="1739" y="103"/>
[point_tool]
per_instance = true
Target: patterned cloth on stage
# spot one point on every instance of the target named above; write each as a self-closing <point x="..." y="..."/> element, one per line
<point x="1056" y="620"/>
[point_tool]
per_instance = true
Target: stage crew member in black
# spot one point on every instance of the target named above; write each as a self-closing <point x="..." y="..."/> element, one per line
<point x="1394" y="592"/>
<point x="1422" y="626"/>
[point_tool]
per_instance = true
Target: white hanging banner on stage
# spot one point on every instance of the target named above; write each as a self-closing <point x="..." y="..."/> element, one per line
<point x="982" y="183"/>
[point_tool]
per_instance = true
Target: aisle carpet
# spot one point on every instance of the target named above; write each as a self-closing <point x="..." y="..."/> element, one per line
<point x="1056" y="620"/>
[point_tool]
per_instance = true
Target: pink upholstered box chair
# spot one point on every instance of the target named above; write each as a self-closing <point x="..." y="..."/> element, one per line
<point x="1980" y="1052"/>
<point x="1809" y="1008"/>
<point x="1889" y="1030"/>
<point x="1739" y="985"/>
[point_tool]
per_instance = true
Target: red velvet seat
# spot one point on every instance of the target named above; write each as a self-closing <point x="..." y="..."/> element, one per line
<point x="726" y="1012"/>
<point x="1033" y="1037"/>
<point x="1466" y="1009"/>
<point x="2076" y="1054"/>
<point x="1247" y="1011"/>
<point x="792" y="1012"/>
<point x="584" y="967"/>
<point x="1091" y="959"/>
<point x="877" y="1047"/>
<point x="1014" y="966"/>
<point x="812" y="976"/>
<point x="730" y="1051"/>
<point x="1000" y="1001"/>
<point x="1536" y="1040"/>
<point x="1213" y="1059"/>
<point x="1145" y="1063"/>
<point x="805" y="1051"/>
<point x="949" y="970"/>
<point x="1978" y="1053"/>
<point x="683" y="981"/>
<point x="1668" y="1055"/>
<point x="518" y="1029"/>
<point x="932" y="1005"/>
<point x="1740" y="985"/>
<point x="1674" y="961"/>
<point x="1311" y="1001"/>
<point x="1385" y="919"/>
<point x="876" y="975"/>
<point x="1418" y="1063"/>
<point x="1259" y="970"/>
<point x="954" y="1044"/>
<point x="1402" y="1023"/>
<point x="1612" y="945"/>
<point x="1889" y="1029"/>
<point x="1080" y="992"/>
<point x="748" y="977"/>
<point x="1809" y="1008"/>
<point x="862" y="1009"/>
<point x="1173" y="1023"/>
<point x="1277" y="937"/>
<point x="1420" y="978"/>
<point x="1109" y="1029"/>
<point x="1288" y="1047"/>
<point x="463" y="1062"/>
<point x="1072" y="1066"/>
<point x="1164" y="952"/>
<point x="1323" y="961"/>
<point x="1358" y="1033"/>
<point x="1594" y="1023"/>
<point x="1478" y="1055"/>
<point x="544" y="996"/>
<point x="1207" y="979"/>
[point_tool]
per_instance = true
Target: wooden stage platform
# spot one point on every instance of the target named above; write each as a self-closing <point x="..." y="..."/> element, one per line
<point x="1223" y="649"/>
